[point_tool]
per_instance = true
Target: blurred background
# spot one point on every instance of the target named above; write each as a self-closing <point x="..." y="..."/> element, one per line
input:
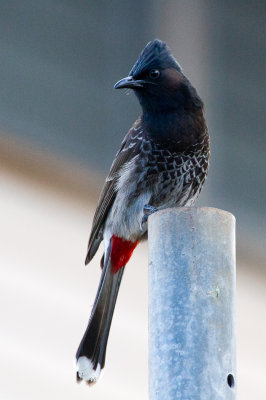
<point x="61" y="123"/>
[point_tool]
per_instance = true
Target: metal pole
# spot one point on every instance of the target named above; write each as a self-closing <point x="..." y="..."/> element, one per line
<point x="192" y="304"/>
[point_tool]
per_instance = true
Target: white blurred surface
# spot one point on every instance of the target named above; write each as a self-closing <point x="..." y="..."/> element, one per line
<point x="46" y="295"/>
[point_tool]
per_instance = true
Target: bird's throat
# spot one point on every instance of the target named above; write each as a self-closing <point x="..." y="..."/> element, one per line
<point x="160" y="122"/>
<point x="168" y="129"/>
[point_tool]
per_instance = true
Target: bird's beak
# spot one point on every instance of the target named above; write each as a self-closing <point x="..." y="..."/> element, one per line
<point x="128" y="82"/>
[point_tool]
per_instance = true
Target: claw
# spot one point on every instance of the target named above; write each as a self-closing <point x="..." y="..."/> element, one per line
<point x="147" y="210"/>
<point x="143" y="221"/>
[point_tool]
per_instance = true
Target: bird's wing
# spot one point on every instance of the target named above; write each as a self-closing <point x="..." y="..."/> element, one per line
<point x="129" y="148"/>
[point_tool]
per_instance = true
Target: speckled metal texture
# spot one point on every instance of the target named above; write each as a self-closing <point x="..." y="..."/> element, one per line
<point x="192" y="304"/>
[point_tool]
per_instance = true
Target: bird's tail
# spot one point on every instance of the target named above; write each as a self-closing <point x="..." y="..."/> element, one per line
<point x="91" y="352"/>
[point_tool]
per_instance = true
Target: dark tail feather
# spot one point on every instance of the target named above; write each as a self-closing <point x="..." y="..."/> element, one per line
<point x="91" y="352"/>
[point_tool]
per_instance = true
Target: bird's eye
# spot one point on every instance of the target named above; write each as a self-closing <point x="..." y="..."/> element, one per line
<point x="154" y="73"/>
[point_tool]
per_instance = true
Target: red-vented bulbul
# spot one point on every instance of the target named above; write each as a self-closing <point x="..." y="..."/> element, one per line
<point x="162" y="162"/>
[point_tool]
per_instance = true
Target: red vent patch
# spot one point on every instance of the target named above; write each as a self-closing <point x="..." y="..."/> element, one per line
<point x="121" y="252"/>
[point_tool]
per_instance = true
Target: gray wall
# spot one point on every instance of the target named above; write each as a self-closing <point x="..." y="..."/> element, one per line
<point x="60" y="59"/>
<point x="238" y="117"/>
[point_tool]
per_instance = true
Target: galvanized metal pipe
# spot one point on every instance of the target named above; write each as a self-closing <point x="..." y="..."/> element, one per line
<point x="192" y="304"/>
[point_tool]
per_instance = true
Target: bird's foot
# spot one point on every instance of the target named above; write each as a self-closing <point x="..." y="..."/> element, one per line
<point x="147" y="210"/>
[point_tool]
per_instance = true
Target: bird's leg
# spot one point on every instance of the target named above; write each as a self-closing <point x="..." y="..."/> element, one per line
<point x="147" y="211"/>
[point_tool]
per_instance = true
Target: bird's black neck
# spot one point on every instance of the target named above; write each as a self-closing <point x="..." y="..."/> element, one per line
<point x="182" y="127"/>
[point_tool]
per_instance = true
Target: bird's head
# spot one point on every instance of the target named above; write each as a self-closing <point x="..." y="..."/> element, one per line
<point x="157" y="79"/>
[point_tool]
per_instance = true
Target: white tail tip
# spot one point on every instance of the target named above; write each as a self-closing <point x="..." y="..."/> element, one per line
<point x="86" y="372"/>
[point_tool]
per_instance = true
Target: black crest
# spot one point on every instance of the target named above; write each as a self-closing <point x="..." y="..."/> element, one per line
<point x="155" y="55"/>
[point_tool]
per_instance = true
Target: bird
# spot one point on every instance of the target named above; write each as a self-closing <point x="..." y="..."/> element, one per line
<point x="162" y="162"/>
